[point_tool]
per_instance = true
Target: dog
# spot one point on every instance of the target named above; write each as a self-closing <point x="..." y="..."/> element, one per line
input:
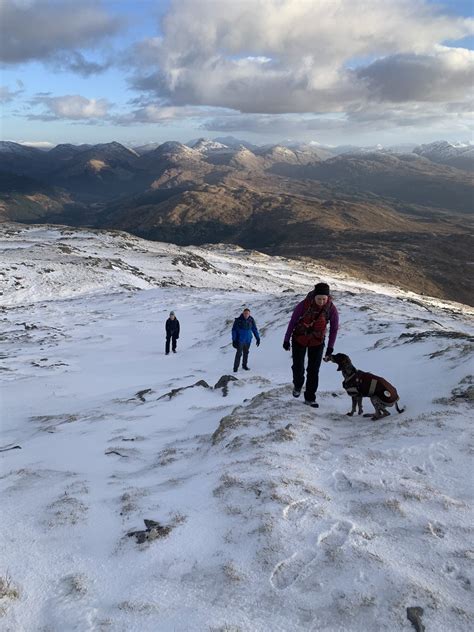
<point x="359" y="384"/>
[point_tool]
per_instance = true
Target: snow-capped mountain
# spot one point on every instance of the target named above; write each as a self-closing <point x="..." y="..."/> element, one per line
<point x="8" y="147"/>
<point x="460" y="155"/>
<point x="235" y="143"/>
<point x="174" y="148"/>
<point x="261" y="514"/>
<point x="205" y="145"/>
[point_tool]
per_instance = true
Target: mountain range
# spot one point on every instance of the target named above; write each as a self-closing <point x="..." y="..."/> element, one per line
<point x="402" y="218"/>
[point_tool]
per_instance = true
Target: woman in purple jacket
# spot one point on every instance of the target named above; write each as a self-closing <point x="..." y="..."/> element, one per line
<point x="307" y="331"/>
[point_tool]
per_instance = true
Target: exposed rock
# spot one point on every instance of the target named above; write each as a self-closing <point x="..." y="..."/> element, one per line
<point x="175" y="391"/>
<point x="141" y="394"/>
<point x="282" y="434"/>
<point x="414" y="615"/>
<point x="223" y="383"/>
<point x="10" y="447"/>
<point x="153" y="531"/>
<point x="229" y="422"/>
<point x="111" y="451"/>
<point x="422" y="335"/>
<point x="464" y="392"/>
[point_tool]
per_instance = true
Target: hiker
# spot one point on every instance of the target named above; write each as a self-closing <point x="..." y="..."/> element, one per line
<point x="243" y="328"/>
<point x="307" y="331"/>
<point x="172" y="333"/>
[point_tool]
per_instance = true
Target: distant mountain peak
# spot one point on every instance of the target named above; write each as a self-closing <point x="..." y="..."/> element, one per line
<point x="459" y="155"/>
<point x="206" y="144"/>
<point x="9" y="147"/>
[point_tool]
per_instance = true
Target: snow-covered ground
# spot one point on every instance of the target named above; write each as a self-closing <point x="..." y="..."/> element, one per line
<point x="276" y="517"/>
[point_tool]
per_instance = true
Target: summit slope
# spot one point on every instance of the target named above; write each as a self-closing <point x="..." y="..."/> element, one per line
<point x="274" y="517"/>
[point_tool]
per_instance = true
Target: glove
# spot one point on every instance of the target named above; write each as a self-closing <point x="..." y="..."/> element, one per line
<point x="328" y="354"/>
<point x="235" y="345"/>
<point x="286" y="346"/>
<point x="258" y="342"/>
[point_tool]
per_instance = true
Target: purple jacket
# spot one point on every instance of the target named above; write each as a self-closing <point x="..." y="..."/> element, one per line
<point x="333" y="322"/>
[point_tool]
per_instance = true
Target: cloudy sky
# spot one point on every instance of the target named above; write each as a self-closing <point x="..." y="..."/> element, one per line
<point x="329" y="71"/>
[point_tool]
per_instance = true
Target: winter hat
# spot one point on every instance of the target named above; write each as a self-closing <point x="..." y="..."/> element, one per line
<point x="172" y="314"/>
<point x="321" y="289"/>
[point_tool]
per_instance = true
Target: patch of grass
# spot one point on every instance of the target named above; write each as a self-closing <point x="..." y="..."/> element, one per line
<point x="8" y="592"/>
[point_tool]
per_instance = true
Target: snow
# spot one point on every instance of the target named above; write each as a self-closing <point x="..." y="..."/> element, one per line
<point x="283" y="517"/>
<point x="204" y="145"/>
<point x="444" y="149"/>
<point x="9" y="147"/>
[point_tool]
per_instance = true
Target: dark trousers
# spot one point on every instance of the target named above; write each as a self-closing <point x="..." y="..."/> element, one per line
<point x="173" y="339"/>
<point x="315" y="355"/>
<point x="241" y="349"/>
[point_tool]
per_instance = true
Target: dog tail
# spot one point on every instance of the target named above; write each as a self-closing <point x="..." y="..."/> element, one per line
<point x="399" y="410"/>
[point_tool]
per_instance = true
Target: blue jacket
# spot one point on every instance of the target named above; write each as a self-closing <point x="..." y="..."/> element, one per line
<point x="243" y="329"/>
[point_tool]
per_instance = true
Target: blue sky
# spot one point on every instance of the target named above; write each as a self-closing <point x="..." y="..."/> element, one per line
<point x="335" y="72"/>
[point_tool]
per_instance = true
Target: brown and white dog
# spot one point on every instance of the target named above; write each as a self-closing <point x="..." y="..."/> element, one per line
<point x="359" y="384"/>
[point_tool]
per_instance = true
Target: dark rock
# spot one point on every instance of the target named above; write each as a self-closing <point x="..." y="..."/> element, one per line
<point x="28" y="327"/>
<point x="10" y="447"/>
<point x="153" y="531"/>
<point x="175" y="391"/>
<point x="422" y="335"/>
<point x="223" y="383"/>
<point x="124" y="456"/>
<point x="141" y="394"/>
<point x="414" y="614"/>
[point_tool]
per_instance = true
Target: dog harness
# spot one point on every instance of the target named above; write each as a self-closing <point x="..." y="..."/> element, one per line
<point x="364" y="384"/>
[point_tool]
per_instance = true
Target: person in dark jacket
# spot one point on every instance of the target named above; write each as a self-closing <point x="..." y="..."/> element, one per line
<point x="307" y="331"/>
<point x="243" y="328"/>
<point x="172" y="333"/>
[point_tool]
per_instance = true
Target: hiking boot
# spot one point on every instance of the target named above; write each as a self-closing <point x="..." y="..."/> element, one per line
<point x="312" y="404"/>
<point x="296" y="392"/>
<point x="235" y="370"/>
<point x="167" y="352"/>
<point x="246" y="368"/>
<point x="174" y="350"/>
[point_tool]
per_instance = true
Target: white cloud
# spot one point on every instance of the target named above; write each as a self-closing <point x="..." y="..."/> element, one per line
<point x="73" y="107"/>
<point x="39" y="144"/>
<point x="281" y="56"/>
<point x="157" y="114"/>
<point x="375" y="121"/>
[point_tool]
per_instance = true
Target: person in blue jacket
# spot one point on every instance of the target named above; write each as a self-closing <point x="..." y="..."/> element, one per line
<point x="243" y="328"/>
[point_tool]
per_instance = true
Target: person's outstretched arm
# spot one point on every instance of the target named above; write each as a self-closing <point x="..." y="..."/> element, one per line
<point x="333" y="327"/>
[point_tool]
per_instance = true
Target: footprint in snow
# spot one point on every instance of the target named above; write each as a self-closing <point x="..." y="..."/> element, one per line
<point x="295" y="511"/>
<point x="287" y="571"/>
<point x="337" y="535"/>
<point x="452" y="571"/>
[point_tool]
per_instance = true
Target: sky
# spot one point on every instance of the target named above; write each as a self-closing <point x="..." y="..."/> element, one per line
<point x="324" y="71"/>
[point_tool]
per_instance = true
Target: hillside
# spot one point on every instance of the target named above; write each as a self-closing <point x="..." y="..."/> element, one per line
<point x="398" y="218"/>
<point x="25" y="199"/>
<point x="262" y="515"/>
